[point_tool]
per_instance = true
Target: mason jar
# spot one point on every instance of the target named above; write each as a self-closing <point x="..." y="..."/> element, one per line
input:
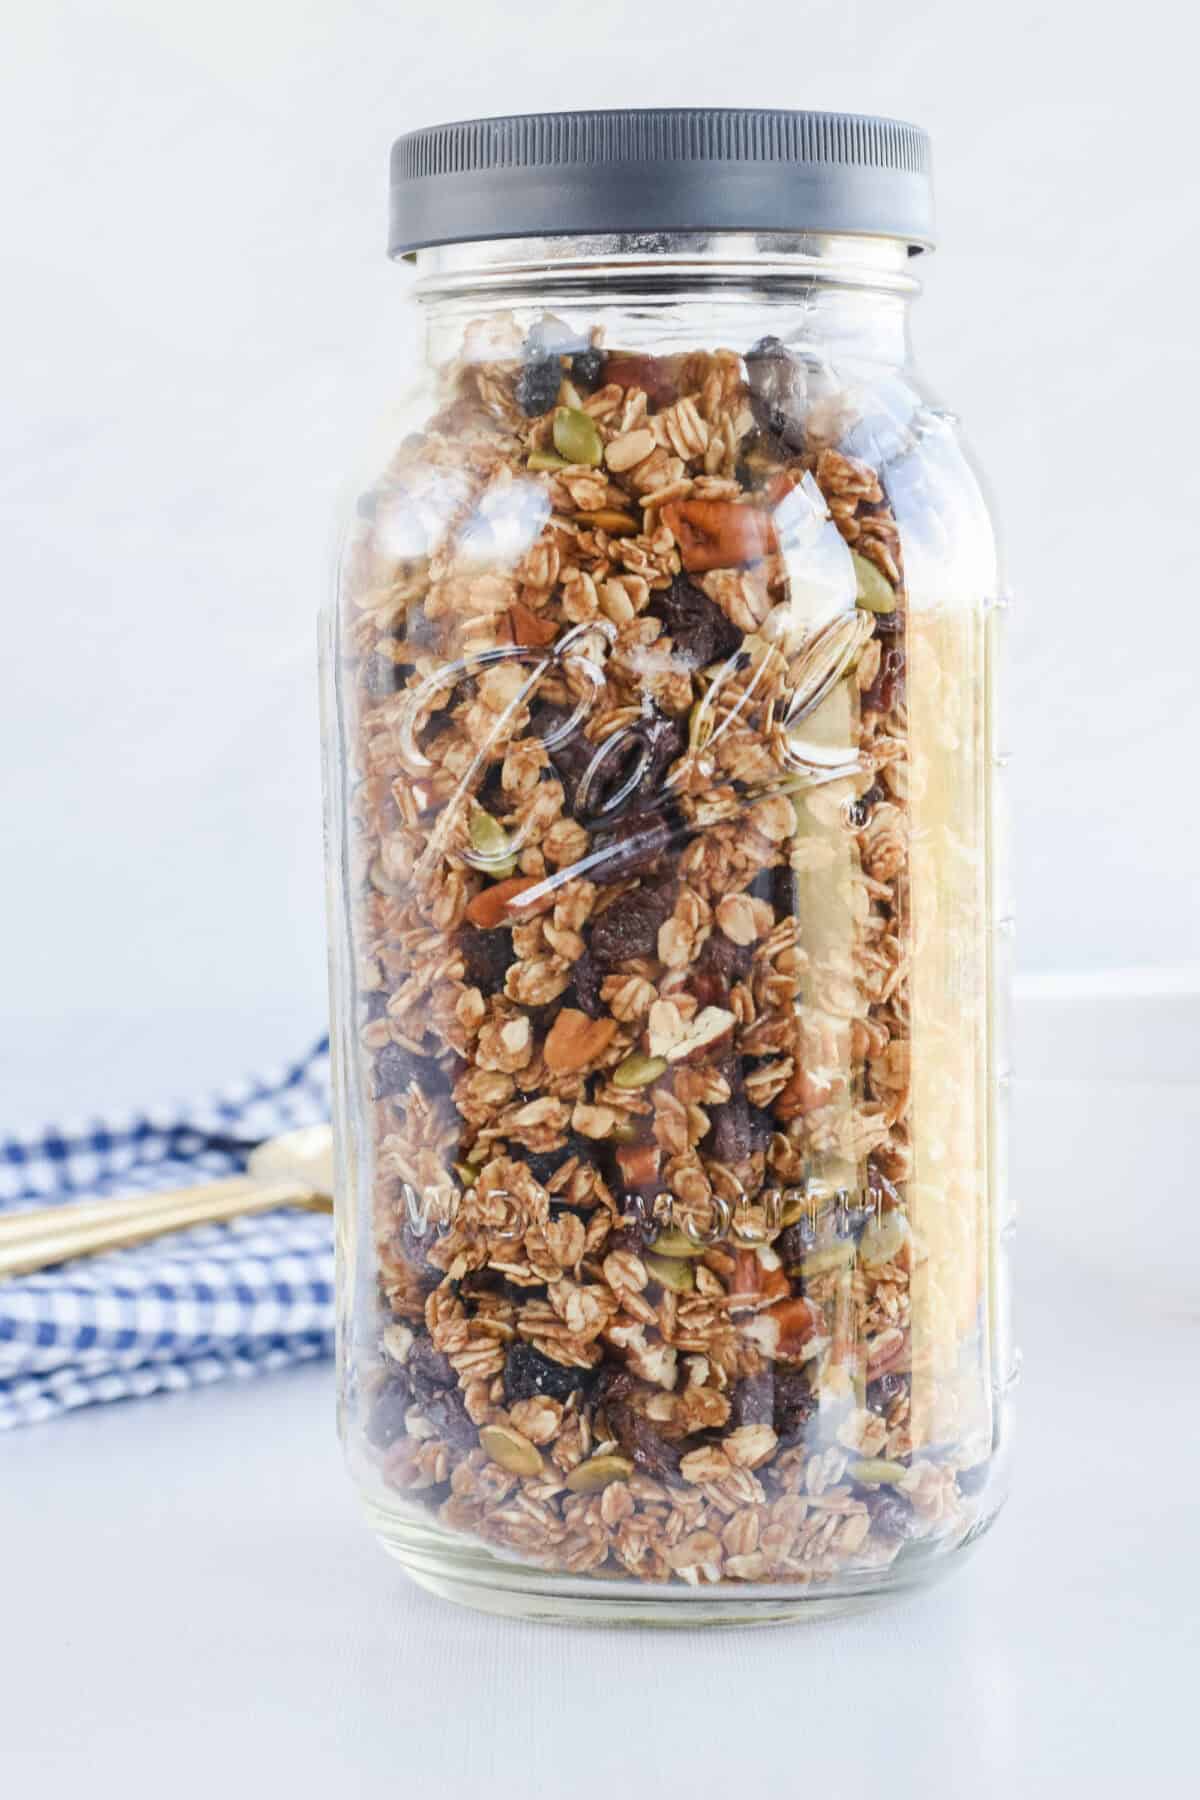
<point x="668" y="949"/>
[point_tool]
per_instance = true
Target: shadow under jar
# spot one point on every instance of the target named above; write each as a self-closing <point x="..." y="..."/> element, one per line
<point x="666" y="939"/>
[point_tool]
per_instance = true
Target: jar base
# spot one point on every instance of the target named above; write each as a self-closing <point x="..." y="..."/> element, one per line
<point x="470" y="1575"/>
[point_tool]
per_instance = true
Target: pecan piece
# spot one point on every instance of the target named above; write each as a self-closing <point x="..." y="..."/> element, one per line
<point x="719" y="534"/>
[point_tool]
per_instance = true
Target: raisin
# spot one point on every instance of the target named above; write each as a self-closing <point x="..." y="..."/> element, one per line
<point x="570" y="757"/>
<point x="427" y="1369"/>
<point x="794" y="1404"/>
<point x="385" y="1421"/>
<point x="700" y="632"/>
<point x="447" y="1413"/>
<point x="891" y="1516"/>
<point x="629" y="927"/>
<point x="394" y="1069"/>
<point x="646" y="1448"/>
<point x="381" y="677"/>
<point x="375" y="1004"/>
<point x="888" y="685"/>
<point x="970" y="1481"/>
<point x="737" y="1128"/>
<point x="887" y="1389"/>
<point x="753" y="1401"/>
<point x="585" y="985"/>
<point x="796" y="1242"/>
<point x="635" y="845"/>
<point x="587" y="367"/>
<point x="527" y="1372"/>
<point x="416" y="1245"/>
<point x="776" y="392"/>
<point x="728" y="961"/>
<point x="542" y="1164"/>
<point x="487" y="957"/>
<point x="537" y="386"/>
<point x="420" y="631"/>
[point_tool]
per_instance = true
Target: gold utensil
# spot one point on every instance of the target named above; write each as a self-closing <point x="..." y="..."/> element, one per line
<point x="294" y="1169"/>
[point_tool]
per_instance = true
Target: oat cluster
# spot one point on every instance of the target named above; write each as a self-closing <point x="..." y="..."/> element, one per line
<point x="628" y="655"/>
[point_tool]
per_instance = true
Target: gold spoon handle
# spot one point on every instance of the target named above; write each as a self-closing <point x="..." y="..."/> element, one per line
<point x="52" y="1234"/>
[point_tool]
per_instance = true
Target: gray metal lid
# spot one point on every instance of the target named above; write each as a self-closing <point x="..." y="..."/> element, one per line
<point x="660" y="169"/>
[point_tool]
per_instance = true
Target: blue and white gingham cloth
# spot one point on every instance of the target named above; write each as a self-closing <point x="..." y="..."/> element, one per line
<point x="193" y="1307"/>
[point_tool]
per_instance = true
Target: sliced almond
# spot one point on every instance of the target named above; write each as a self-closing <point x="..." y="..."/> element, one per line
<point x="711" y="1026"/>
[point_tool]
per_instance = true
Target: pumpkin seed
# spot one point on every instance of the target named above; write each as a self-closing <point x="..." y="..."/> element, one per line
<point x="873" y="1468"/>
<point x="489" y="840"/>
<point x="674" y="1272"/>
<point x="638" y="1070"/>
<point x="820" y="1262"/>
<point x="512" y="1451"/>
<point x="597" y="1472"/>
<point x="545" y="459"/>
<point x="576" y="437"/>
<point x="674" y="1242"/>
<point x="875" y="591"/>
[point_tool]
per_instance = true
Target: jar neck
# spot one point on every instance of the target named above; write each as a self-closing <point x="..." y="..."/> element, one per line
<point x="851" y="295"/>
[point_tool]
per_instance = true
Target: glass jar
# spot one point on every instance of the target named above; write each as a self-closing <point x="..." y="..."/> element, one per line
<point x="666" y="938"/>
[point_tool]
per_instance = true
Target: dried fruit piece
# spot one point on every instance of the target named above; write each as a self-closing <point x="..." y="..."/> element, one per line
<point x="394" y="1069"/>
<point x="511" y="1449"/>
<point x="597" y="1472"/>
<point x="626" y="370"/>
<point x="638" y="1070"/>
<point x="875" y="591"/>
<point x="537" y="384"/>
<point x="776" y="392"/>
<point x="700" y="632"/>
<point x="446" y="1412"/>
<point x="647" y="1448"/>
<point x="629" y="927"/>
<point x="892" y="1516"/>
<point x="587" y="367"/>
<point x="575" y="1040"/>
<point x="576" y="437"/>
<point x="487" y="957"/>
<point x="635" y="845"/>
<point x="528" y="1372"/>
<point x="495" y="903"/>
<point x="719" y="534"/>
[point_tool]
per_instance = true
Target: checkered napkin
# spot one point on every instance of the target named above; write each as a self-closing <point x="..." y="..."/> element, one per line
<point x="193" y="1307"/>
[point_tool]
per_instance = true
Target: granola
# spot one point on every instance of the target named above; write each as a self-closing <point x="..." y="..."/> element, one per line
<point x="639" y="911"/>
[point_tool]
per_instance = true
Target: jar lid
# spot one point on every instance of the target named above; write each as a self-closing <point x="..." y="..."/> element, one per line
<point x="657" y="169"/>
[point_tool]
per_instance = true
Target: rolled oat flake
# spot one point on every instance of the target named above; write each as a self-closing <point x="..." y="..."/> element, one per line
<point x="667" y="932"/>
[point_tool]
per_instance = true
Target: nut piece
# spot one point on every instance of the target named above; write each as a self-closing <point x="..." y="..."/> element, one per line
<point x="631" y="448"/>
<point x="575" y="1040"/>
<point x="719" y="534"/>
<point x="576" y="437"/>
<point x="709" y="1028"/>
<point x="512" y="1451"/>
<point x="597" y="1472"/>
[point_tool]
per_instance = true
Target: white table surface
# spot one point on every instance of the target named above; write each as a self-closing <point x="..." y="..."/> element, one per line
<point x="192" y="1608"/>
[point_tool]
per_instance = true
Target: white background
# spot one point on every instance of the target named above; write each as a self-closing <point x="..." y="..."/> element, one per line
<point x="198" y="320"/>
